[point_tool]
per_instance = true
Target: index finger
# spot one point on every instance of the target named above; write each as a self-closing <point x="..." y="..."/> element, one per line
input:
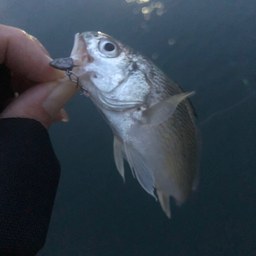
<point x="23" y="54"/>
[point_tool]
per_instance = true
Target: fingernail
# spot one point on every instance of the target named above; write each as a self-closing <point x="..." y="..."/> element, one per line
<point x="49" y="59"/>
<point x="64" y="115"/>
<point x="60" y="74"/>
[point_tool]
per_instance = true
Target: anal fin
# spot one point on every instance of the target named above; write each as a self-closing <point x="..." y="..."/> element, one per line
<point x="142" y="172"/>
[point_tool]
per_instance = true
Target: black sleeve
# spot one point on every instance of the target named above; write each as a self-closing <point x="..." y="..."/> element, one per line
<point x="29" y="175"/>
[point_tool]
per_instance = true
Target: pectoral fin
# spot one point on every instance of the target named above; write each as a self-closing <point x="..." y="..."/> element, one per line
<point x="142" y="172"/>
<point x="163" y="110"/>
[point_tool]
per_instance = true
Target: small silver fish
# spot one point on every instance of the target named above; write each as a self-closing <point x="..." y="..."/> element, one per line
<point x="151" y="117"/>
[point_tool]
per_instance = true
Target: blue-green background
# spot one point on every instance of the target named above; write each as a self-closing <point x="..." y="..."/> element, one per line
<point x="95" y="214"/>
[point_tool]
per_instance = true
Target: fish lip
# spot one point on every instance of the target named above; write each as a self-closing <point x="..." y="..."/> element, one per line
<point x="80" y="54"/>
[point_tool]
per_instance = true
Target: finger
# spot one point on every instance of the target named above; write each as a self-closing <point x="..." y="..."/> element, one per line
<point x="20" y="83"/>
<point x="42" y="102"/>
<point x="23" y="54"/>
<point x="61" y="116"/>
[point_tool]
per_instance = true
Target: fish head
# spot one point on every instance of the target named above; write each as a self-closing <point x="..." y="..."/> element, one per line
<point x="114" y="76"/>
<point x="101" y="58"/>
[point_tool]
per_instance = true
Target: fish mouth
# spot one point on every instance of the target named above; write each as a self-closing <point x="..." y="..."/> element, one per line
<point x="81" y="59"/>
<point x="80" y="54"/>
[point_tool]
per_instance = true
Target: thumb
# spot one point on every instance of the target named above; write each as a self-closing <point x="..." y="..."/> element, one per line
<point x="42" y="102"/>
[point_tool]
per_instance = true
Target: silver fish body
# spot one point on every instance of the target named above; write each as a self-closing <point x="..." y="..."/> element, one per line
<point x="151" y="117"/>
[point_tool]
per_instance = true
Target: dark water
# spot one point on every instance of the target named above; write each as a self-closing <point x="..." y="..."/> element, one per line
<point x="212" y="51"/>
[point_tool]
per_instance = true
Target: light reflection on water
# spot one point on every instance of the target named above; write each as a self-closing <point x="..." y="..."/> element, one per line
<point x="137" y="1"/>
<point x="154" y="56"/>
<point x="171" y="41"/>
<point x="146" y="10"/>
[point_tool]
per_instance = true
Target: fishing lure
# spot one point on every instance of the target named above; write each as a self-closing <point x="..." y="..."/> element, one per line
<point x="66" y="64"/>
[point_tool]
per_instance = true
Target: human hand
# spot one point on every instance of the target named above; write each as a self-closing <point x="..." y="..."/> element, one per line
<point x="31" y="76"/>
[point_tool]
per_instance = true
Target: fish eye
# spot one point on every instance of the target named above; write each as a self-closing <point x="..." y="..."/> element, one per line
<point x="108" y="48"/>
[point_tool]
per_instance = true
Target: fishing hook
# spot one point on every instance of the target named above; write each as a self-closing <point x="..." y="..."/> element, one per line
<point x="67" y="64"/>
